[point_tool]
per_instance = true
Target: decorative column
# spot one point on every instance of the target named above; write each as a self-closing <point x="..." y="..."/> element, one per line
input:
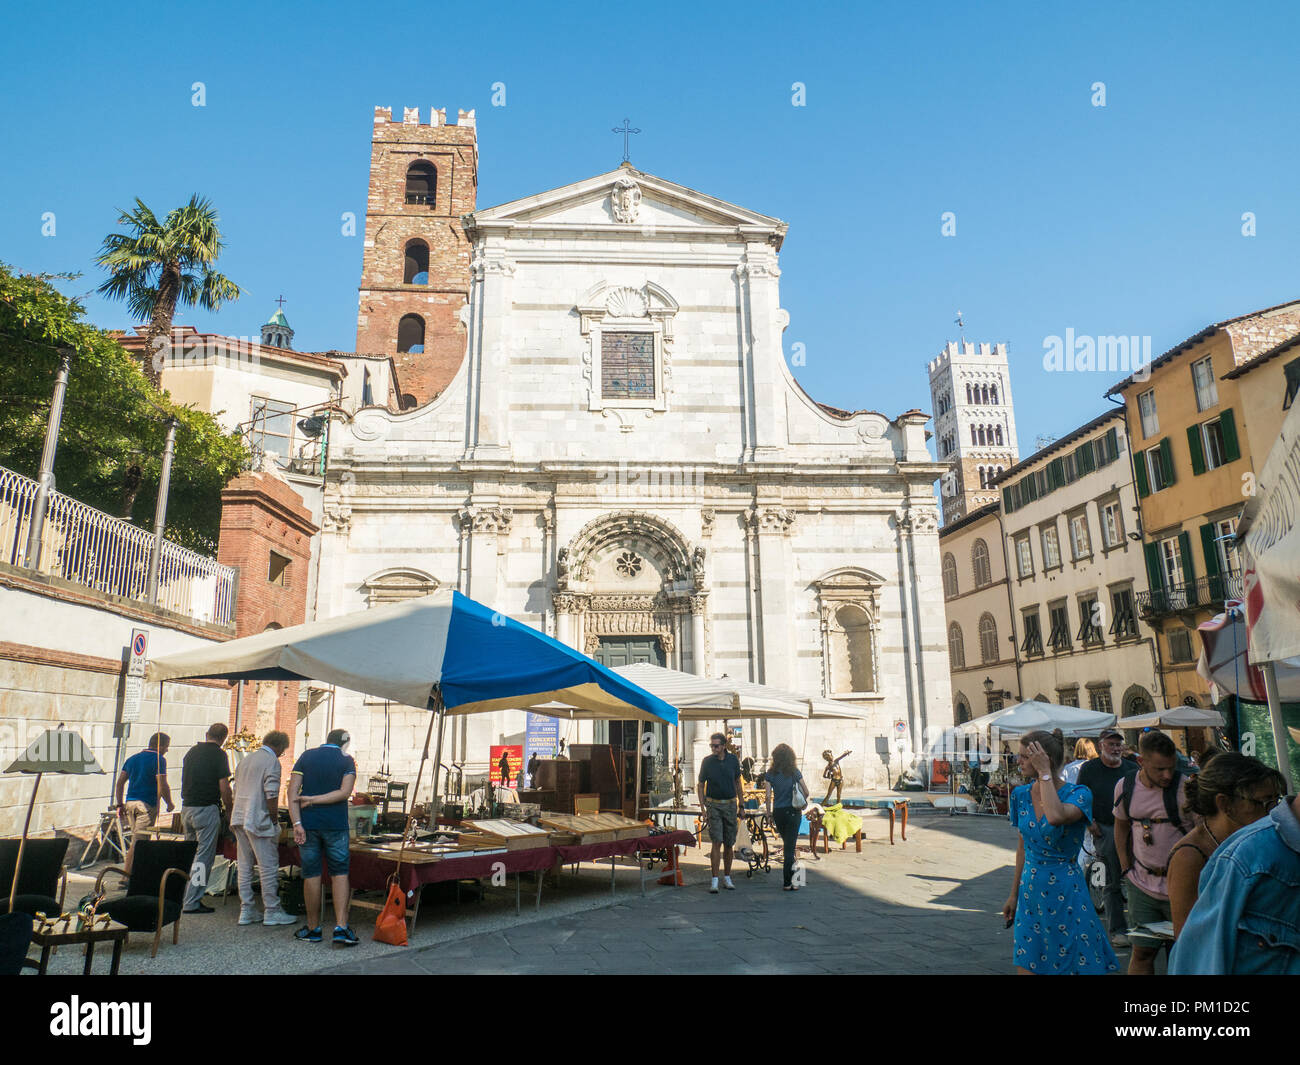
<point x="493" y="279"/>
<point x="771" y="526"/>
<point x="698" y="660"/>
<point x="766" y="322"/>
<point x="483" y="525"/>
<point x="567" y="607"/>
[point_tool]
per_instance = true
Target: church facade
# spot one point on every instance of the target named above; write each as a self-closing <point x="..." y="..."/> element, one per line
<point x="623" y="459"/>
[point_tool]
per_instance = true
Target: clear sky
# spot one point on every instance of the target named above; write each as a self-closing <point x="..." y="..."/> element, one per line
<point x="1123" y="219"/>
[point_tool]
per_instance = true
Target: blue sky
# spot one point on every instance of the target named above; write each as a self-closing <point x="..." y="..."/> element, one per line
<point x="1124" y="219"/>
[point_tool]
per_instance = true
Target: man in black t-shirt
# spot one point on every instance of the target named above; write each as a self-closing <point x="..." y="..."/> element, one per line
<point x="1100" y="775"/>
<point x="205" y="786"/>
<point x="721" y="801"/>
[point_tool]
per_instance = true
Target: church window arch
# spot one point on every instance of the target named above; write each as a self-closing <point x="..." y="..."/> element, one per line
<point x="998" y="433"/>
<point x="988" y="639"/>
<point x="949" y="575"/>
<point x="969" y="397"/>
<point x="982" y="436"/>
<point x="421" y="183"/>
<point x="415" y="270"/>
<point x="972" y="435"/>
<point x="993" y="393"/>
<point x="397" y="586"/>
<point x="979" y="557"/>
<point x="956" y="649"/>
<point x="410" y="334"/>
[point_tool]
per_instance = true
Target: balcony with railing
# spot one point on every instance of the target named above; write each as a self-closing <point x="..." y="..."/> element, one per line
<point x="87" y="547"/>
<point x="1208" y="593"/>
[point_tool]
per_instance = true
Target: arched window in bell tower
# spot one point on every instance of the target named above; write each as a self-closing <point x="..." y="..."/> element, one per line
<point x="421" y="183"/>
<point x="416" y="269"/>
<point x="410" y="334"/>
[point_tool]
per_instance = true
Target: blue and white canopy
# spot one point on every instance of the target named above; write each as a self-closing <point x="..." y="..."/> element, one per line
<point x="444" y="644"/>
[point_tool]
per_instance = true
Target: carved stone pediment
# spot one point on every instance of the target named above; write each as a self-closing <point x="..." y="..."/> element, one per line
<point x="625" y="200"/>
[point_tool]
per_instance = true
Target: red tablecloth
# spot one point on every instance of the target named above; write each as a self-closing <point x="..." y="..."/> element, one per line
<point x="590" y="852"/>
<point x="371" y="871"/>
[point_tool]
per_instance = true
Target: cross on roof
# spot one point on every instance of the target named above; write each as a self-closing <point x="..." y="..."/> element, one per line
<point x="627" y="128"/>
<point x="280" y="301"/>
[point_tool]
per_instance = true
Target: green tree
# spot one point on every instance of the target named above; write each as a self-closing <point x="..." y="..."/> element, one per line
<point x="114" y="420"/>
<point x="158" y="266"/>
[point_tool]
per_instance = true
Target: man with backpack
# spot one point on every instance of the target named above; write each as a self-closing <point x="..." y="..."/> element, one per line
<point x="1102" y="775"/>
<point x="1150" y="818"/>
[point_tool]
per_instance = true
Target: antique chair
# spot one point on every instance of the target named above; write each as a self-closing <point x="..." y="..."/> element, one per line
<point x="43" y="880"/>
<point x="15" y="938"/>
<point x="155" y="888"/>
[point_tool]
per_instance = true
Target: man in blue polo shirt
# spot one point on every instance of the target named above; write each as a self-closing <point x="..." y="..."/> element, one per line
<point x="144" y="779"/>
<point x="319" y="790"/>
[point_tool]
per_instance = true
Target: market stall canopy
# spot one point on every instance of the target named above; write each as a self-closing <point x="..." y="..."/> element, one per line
<point x="479" y="660"/>
<point x="812" y="706"/>
<point x="1224" y="660"/>
<point x="1032" y="715"/>
<point x="707" y="699"/>
<point x="1175" y="717"/>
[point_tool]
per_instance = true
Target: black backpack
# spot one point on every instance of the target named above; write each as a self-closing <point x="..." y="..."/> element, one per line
<point x="1170" y="795"/>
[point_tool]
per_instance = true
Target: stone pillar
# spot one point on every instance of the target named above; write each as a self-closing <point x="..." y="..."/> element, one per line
<point x="489" y="426"/>
<point x="266" y="534"/>
<point x="772" y="535"/>
<point x="565" y="618"/>
<point x="698" y="604"/>
<point x="766" y="322"/>
<point x="485" y="525"/>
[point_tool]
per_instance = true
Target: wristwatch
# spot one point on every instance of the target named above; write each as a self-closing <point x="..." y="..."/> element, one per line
<point x="1045" y="776"/>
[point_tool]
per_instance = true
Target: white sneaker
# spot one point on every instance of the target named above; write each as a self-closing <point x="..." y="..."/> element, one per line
<point x="726" y="883"/>
<point x="249" y="917"/>
<point x="274" y="917"/>
<point x="713" y="886"/>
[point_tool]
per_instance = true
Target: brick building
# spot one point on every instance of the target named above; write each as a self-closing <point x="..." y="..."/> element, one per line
<point x="415" y="271"/>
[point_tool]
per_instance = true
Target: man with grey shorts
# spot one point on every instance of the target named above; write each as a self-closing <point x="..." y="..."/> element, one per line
<point x="721" y="799"/>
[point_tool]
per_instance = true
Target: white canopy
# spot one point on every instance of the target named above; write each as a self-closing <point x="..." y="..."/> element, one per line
<point x="1032" y="715"/>
<point x="1175" y="717"/>
<point x="707" y="699"/>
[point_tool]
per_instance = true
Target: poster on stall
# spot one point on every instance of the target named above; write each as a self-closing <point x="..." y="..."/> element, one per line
<point x="507" y="763"/>
<point x="541" y="737"/>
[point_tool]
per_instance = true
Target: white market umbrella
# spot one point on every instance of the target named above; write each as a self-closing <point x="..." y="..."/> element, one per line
<point x="1175" y="717"/>
<point x="54" y="751"/>
<point x="707" y="698"/>
<point x="1032" y="715"/>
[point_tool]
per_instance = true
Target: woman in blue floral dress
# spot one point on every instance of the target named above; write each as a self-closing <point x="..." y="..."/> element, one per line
<point x="1057" y="931"/>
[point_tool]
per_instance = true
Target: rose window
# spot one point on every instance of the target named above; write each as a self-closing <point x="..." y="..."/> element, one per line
<point x="628" y="564"/>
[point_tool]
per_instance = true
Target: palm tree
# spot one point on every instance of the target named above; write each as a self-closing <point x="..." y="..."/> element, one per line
<point x="158" y="265"/>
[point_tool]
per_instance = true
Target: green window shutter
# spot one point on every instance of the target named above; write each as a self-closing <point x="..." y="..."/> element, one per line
<point x="1083" y="459"/>
<point x="1231" y="452"/>
<point x="1140" y="473"/>
<point x="1167" y="459"/>
<point x="1112" y="446"/>
<point x="1185" y="549"/>
<point x="1198" y="453"/>
<point x="1006" y="501"/>
<point x="1155" y="573"/>
<point x="1210" y="549"/>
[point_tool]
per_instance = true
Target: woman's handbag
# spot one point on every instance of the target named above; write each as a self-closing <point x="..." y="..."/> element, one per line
<point x="797" y="797"/>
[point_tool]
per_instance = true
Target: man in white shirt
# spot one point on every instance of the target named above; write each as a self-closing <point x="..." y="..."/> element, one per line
<point x="255" y="822"/>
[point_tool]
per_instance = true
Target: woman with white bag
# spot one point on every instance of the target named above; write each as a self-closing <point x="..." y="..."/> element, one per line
<point x="787" y="796"/>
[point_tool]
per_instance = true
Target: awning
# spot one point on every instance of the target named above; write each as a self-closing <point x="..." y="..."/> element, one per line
<point x="1175" y="717"/>
<point x="709" y="699"/>
<point x="478" y="659"/>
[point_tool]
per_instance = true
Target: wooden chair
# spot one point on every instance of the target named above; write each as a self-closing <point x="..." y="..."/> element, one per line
<point x="43" y="881"/>
<point x="155" y="888"/>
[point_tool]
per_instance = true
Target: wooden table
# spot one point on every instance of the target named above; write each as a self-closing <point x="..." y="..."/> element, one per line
<point x="47" y="941"/>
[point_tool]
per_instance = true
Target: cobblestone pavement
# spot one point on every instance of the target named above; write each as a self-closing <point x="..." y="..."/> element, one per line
<point x="927" y="905"/>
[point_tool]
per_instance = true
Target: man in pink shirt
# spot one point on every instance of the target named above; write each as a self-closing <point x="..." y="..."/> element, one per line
<point x="1150" y="817"/>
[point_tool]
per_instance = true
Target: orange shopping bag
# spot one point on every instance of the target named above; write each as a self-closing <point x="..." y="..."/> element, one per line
<point x="390" y="927"/>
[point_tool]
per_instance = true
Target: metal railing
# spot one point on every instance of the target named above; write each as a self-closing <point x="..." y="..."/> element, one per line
<point x="95" y="550"/>
<point x="1206" y="592"/>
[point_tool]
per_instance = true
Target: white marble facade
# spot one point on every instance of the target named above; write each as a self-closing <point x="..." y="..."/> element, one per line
<point x="712" y="508"/>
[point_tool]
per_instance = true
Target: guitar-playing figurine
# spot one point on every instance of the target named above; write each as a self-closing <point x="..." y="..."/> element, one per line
<point x="834" y="776"/>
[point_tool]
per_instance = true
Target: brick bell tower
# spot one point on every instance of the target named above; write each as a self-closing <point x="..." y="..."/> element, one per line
<point x="415" y="273"/>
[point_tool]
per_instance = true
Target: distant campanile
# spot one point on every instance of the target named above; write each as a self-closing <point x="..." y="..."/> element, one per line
<point x="415" y="267"/>
<point x="974" y="423"/>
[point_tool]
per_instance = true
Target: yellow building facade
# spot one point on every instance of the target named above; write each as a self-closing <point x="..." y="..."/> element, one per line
<point x="1198" y="438"/>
